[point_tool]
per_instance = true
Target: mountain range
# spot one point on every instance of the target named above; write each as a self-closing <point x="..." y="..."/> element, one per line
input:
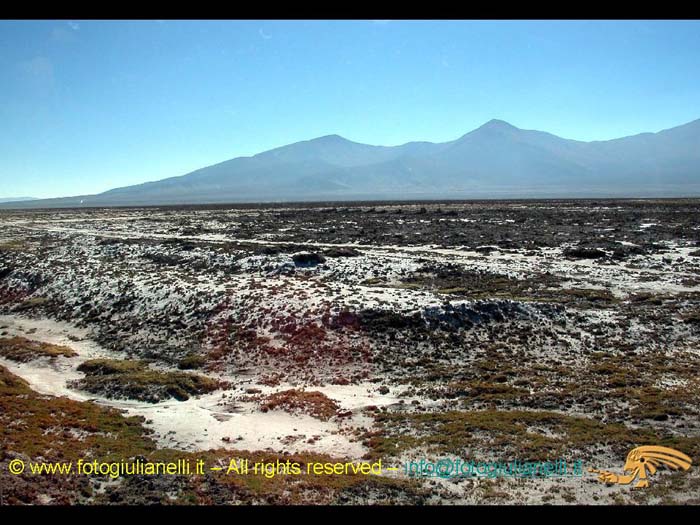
<point x="496" y="160"/>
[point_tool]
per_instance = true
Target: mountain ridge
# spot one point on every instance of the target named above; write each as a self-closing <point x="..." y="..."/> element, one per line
<point x="494" y="159"/>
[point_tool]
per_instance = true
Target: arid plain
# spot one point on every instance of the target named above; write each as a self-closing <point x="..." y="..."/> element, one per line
<point x="487" y="330"/>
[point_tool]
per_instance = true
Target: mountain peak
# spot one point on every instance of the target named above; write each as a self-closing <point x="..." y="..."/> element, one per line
<point x="497" y="124"/>
<point x="493" y="126"/>
<point x="330" y="138"/>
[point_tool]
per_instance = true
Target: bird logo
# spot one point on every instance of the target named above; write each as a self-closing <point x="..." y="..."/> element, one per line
<point x="643" y="462"/>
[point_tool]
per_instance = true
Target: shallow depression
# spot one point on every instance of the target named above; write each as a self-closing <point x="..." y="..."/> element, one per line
<point x="199" y="423"/>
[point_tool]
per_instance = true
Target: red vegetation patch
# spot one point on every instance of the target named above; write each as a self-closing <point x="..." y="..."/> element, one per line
<point x="314" y="403"/>
<point x="10" y="295"/>
<point x="271" y="379"/>
<point x="307" y="342"/>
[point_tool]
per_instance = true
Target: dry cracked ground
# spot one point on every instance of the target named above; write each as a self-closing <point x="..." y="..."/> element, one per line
<point x="488" y="331"/>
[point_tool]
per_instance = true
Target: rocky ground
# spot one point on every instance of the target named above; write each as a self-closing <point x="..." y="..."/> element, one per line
<point x="479" y="330"/>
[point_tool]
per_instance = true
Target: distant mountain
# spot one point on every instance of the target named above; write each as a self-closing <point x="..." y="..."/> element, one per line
<point x="16" y="199"/>
<point x="495" y="160"/>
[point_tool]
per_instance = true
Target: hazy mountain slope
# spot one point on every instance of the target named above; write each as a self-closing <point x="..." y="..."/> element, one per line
<point x="500" y="154"/>
<point x="671" y="156"/>
<point x="16" y="199"/>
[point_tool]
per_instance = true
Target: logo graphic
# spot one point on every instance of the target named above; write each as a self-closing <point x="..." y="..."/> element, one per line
<point x="644" y="461"/>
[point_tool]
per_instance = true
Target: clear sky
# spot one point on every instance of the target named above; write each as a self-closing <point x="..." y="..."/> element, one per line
<point x="86" y="106"/>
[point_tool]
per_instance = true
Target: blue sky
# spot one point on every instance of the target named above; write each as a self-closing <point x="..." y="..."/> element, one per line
<point x="86" y="106"/>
